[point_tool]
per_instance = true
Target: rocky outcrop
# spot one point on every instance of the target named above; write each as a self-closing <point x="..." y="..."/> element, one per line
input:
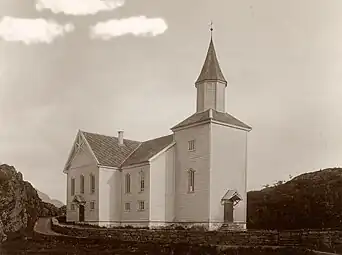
<point x="20" y="205"/>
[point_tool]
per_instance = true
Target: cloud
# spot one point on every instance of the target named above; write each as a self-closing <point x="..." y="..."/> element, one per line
<point x="31" y="31"/>
<point x="138" y="26"/>
<point x="78" y="7"/>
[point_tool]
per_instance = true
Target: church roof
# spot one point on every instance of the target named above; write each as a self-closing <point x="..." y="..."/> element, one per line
<point x="211" y="69"/>
<point x="148" y="149"/>
<point x="217" y="116"/>
<point x="109" y="152"/>
<point x="107" y="149"/>
<point x="232" y="195"/>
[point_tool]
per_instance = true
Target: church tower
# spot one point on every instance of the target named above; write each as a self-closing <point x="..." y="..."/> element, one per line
<point x="211" y="84"/>
<point x="211" y="157"/>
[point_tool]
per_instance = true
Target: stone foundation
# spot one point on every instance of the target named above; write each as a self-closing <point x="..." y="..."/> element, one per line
<point x="234" y="226"/>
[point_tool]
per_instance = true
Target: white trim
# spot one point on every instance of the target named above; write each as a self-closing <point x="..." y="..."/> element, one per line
<point x="162" y="151"/>
<point x="210" y="113"/>
<point x="209" y="121"/>
<point x="191" y="125"/>
<point x="107" y="167"/>
<point x="73" y="152"/>
<point x="92" y="152"/>
<point x="135" y="165"/>
<point x="67" y="163"/>
<point x="229" y="125"/>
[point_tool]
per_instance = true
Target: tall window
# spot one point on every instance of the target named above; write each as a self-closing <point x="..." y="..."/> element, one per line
<point x="191" y="181"/>
<point x="72" y="186"/>
<point x="142" y="181"/>
<point x="128" y="183"/>
<point x="82" y="184"/>
<point x="92" y="183"/>
<point x="191" y="145"/>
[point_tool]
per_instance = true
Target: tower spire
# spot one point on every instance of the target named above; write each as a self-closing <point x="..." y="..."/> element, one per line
<point x="211" y="70"/>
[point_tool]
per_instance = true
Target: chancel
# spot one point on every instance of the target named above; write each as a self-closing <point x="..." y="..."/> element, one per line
<point x="195" y="176"/>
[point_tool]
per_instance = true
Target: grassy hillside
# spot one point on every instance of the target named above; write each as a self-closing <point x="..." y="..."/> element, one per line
<point x="311" y="200"/>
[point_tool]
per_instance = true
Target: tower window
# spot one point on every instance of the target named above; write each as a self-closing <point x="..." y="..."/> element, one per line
<point x="191" y="180"/>
<point x="191" y="145"/>
<point x="128" y="183"/>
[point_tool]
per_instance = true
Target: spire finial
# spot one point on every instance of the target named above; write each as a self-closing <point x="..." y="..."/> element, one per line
<point x="211" y="28"/>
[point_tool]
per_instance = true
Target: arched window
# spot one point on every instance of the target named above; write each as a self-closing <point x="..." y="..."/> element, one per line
<point x="128" y="183"/>
<point x="191" y="180"/>
<point x="142" y="181"/>
<point x="82" y="184"/>
<point x="92" y="183"/>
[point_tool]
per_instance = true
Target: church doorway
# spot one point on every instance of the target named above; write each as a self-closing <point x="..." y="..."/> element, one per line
<point x="229" y="201"/>
<point x="81" y="213"/>
<point x="228" y="212"/>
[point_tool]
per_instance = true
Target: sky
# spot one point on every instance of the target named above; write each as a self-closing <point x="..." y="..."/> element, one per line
<point x="108" y="65"/>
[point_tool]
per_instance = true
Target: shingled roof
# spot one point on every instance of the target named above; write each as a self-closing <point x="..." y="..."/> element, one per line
<point x="107" y="149"/>
<point x="217" y="116"/>
<point x="148" y="149"/>
<point x="211" y="69"/>
<point x="110" y="153"/>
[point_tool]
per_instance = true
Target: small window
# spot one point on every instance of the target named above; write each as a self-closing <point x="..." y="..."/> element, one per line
<point x="127" y="183"/>
<point x="127" y="207"/>
<point x="72" y="207"/>
<point x="72" y="186"/>
<point x="191" y="180"/>
<point x="92" y="183"/>
<point x="142" y="181"/>
<point x="191" y="145"/>
<point x="92" y="205"/>
<point x="82" y="184"/>
<point x="141" y="205"/>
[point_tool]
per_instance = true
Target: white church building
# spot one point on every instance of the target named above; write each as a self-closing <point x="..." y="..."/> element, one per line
<point x="195" y="176"/>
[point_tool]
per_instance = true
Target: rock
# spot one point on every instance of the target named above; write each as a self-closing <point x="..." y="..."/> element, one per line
<point x="20" y="205"/>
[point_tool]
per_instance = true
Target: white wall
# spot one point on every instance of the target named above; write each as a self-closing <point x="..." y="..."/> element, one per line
<point x="162" y="188"/>
<point x="211" y="95"/>
<point x="192" y="207"/>
<point x="134" y="216"/>
<point x="83" y="163"/>
<point x="228" y="170"/>
<point x="109" y="197"/>
<point x="220" y="97"/>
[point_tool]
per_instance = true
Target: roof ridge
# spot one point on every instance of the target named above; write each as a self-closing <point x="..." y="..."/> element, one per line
<point x="157" y="138"/>
<point x="92" y="133"/>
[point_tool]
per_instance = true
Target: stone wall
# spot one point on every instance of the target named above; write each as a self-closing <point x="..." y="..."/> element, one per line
<point x="318" y="240"/>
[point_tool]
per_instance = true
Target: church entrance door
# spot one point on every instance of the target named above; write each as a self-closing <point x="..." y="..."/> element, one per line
<point x="81" y="213"/>
<point x="228" y="212"/>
